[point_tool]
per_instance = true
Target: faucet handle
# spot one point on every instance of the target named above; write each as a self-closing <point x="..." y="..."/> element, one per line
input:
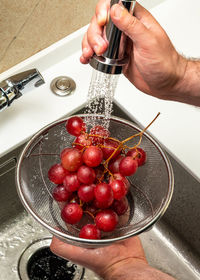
<point x="16" y="85"/>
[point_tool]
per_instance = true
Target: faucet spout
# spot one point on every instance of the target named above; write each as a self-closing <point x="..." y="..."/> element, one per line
<point x="15" y="86"/>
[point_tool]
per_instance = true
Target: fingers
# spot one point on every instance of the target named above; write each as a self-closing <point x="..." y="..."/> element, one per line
<point x="131" y="25"/>
<point x="95" y="37"/>
<point x="102" y="9"/>
<point x="137" y="27"/>
<point x="85" y="257"/>
<point x="94" y="41"/>
<point x="65" y="250"/>
<point x="100" y="259"/>
<point x="87" y="51"/>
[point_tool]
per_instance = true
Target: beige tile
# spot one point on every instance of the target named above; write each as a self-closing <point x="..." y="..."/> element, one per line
<point x="49" y="21"/>
<point x="13" y="15"/>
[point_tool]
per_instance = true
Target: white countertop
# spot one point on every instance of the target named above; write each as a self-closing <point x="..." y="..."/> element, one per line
<point x="177" y="128"/>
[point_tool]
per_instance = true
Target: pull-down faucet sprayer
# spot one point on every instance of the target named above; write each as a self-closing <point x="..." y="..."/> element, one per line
<point x="112" y="61"/>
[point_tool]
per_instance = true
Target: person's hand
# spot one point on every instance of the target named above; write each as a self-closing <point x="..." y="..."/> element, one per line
<point x="154" y="65"/>
<point x="104" y="261"/>
<point x="121" y="261"/>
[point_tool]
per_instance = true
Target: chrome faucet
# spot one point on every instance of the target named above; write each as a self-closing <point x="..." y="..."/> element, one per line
<point x="15" y="86"/>
<point x="114" y="58"/>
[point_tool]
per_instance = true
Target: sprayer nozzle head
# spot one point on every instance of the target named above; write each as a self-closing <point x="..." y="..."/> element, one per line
<point x="106" y="65"/>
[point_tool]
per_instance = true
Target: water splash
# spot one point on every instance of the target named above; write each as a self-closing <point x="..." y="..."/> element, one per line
<point x="100" y="98"/>
<point x="69" y="264"/>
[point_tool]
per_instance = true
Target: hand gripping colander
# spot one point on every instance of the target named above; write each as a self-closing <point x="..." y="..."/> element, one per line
<point x="149" y="196"/>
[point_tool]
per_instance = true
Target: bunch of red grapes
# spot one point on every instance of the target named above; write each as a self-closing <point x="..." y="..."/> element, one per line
<point x="91" y="178"/>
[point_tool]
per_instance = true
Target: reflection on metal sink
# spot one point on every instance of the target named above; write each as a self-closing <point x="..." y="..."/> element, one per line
<point x="172" y="245"/>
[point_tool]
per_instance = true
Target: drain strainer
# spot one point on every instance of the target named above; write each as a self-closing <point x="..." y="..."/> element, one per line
<point x="63" y="86"/>
<point x="38" y="263"/>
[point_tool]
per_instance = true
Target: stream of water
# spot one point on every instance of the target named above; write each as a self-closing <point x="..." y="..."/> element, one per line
<point x="100" y="98"/>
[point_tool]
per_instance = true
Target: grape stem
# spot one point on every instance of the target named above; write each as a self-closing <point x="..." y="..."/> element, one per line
<point x="89" y="213"/>
<point x="131" y="137"/>
<point x="103" y="137"/>
<point x="142" y="132"/>
<point x="104" y="172"/>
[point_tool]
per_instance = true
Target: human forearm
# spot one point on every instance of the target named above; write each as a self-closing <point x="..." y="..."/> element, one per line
<point x="188" y="88"/>
<point x="135" y="270"/>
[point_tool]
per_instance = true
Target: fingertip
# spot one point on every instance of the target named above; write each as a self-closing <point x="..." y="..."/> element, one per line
<point x="83" y="60"/>
<point x="102" y="18"/>
<point x="53" y="244"/>
<point x="117" y="11"/>
<point x="102" y="9"/>
<point x="87" y="52"/>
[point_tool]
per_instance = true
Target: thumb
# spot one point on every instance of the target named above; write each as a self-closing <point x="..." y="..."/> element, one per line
<point x="129" y="24"/>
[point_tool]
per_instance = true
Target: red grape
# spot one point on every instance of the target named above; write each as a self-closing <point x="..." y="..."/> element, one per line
<point x="118" y="176"/>
<point x="109" y="147"/>
<point x="71" y="182"/>
<point x="86" y="174"/>
<point x="104" y="195"/>
<point x="64" y="151"/>
<point x="60" y="193"/>
<point x="86" y="192"/>
<point x="57" y="173"/>
<point x="128" y="166"/>
<point x="72" y="213"/>
<point x="101" y="131"/>
<point x="120" y="206"/>
<point x="106" y="220"/>
<point x="139" y="155"/>
<point x="99" y="205"/>
<point x="119" y="188"/>
<point x="83" y="140"/>
<point x="113" y="165"/>
<point x="75" y="126"/>
<point x="72" y="160"/>
<point x="90" y="231"/>
<point x="92" y="156"/>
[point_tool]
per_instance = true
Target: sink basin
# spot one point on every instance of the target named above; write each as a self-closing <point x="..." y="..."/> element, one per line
<point x="172" y="245"/>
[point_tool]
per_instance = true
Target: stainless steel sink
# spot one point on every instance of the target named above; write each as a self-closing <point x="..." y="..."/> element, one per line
<point x="172" y="245"/>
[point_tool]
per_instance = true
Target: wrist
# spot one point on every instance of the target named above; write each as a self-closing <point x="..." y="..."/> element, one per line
<point x="132" y="269"/>
<point x="122" y="270"/>
<point x="187" y="89"/>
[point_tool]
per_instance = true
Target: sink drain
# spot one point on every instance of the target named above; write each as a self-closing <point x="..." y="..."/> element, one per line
<point x="37" y="262"/>
<point x="63" y="86"/>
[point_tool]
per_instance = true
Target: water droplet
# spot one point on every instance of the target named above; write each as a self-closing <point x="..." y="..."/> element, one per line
<point x="69" y="264"/>
<point x="14" y="268"/>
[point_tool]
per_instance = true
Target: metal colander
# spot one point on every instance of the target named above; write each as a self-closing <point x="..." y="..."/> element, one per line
<point x="149" y="196"/>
